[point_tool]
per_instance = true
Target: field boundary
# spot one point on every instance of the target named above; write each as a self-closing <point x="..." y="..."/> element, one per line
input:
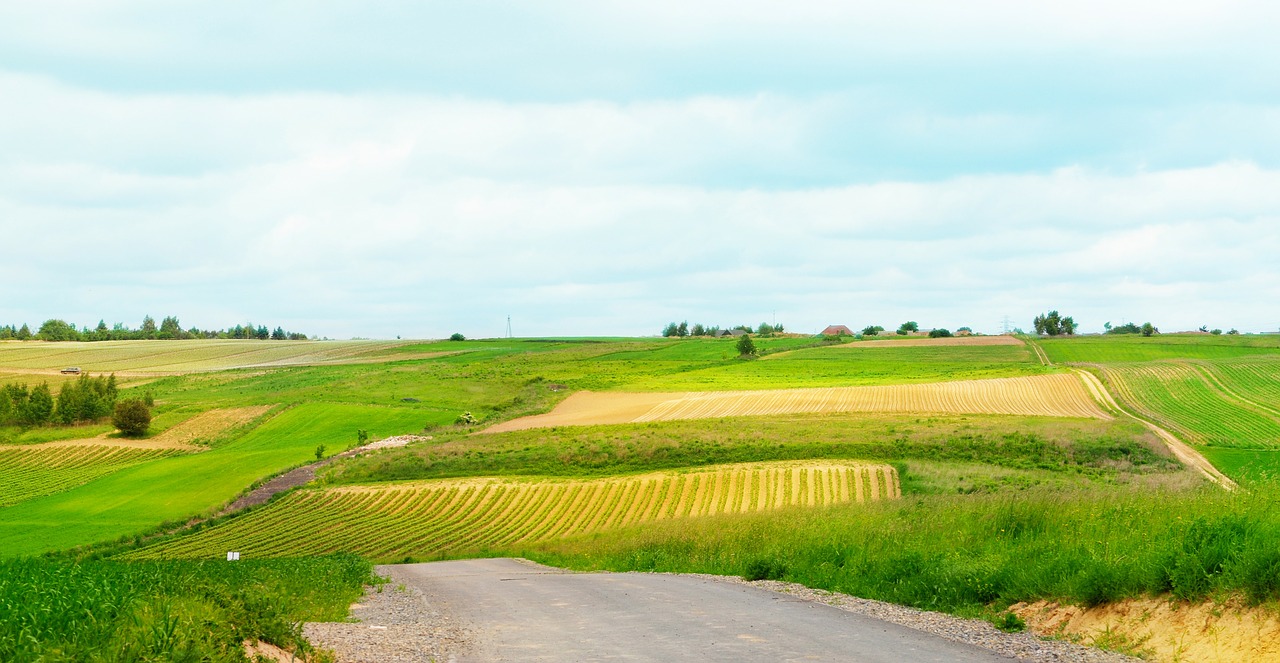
<point x="1181" y="450"/>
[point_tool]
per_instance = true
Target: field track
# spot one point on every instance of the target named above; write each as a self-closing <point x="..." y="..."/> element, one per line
<point x="891" y="342"/>
<point x="1058" y="395"/>
<point x="424" y="519"/>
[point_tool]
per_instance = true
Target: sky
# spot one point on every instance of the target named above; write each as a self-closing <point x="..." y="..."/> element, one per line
<point x="355" y="169"/>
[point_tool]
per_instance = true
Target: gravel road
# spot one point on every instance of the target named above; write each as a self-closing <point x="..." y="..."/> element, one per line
<point x="514" y="610"/>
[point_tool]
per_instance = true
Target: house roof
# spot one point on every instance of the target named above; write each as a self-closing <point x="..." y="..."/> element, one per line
<point x="837" y="330"/>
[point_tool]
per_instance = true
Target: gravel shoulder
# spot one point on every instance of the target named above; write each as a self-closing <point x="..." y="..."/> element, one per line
<point x="421" y="615"/>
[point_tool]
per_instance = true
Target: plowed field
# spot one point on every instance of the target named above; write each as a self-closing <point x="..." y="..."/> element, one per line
<point x="433" y="518"/>
<point x="1058" y="395"/>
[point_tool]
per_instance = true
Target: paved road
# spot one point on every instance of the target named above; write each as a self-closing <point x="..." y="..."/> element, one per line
<point x="525" y="612"/>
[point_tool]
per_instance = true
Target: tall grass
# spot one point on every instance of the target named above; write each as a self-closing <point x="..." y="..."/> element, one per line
<point x="102" y="610"/>
<point x="971" y="555"/>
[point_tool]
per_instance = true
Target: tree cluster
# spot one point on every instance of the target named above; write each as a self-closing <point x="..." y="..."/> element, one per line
<point x="86" y="399"/>
<point x="1146" y="329"/>
<point x="908" y="327"/>
<point x="683" y="330"/>
<point x="1054" y="324"/>
<point x="168" y="329"/>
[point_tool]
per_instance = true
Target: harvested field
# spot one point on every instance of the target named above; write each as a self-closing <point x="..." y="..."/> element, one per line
<point x="909" y="342"/>
<point x="1058" y="395"/>
<point x="183" y="436"/>
<point x="433" y="518"/>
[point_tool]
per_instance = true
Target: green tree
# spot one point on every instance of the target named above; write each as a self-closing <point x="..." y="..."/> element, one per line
<point x="939" y="333"/>
<point x="764" y="329"/>
<point x="908" y="327"/>
<point x="698" y="329"/>
<point x="320" y="452"/>
<point x="457" y="337"/>
<point x="672" y="329"/>
<point x="1148" y="329"/>
<point x="24" y="333"/>
<point x="746" y="346"/>
<point x="1054" y="324"/>
<point x="38" y="409"/>
<point x="169" y="328"/>
<point x="131" y="417"/>
<point x="148" y="329"/>
<point x="278" y="334"/>
<point x="57" y="330"/>
<point x="872" y="330"/>
<point x="682" y="330"/>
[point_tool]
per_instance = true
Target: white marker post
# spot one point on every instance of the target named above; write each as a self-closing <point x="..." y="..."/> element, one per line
<point x="233" y="557"/>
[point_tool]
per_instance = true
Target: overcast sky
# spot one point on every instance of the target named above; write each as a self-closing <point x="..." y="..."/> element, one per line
<point x="601" y="168"/>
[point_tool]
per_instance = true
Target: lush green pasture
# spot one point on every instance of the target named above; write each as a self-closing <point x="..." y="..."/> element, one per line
<point x="974" y="554"/>
<point x="138" y="498"/>
<point x="1247" y="466"/>
<point x="27" y="473"/>
<point x="62" y="610"/>
<point x="1180" y="397"/>
<point x="1134" y="348"/>
<point x="1047" y="443"/>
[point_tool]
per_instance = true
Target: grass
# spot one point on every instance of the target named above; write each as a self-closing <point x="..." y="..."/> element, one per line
<point x="30" y="473"/>
<point x="139" y="498"/>
<point x="974" y="555"/>
<point x="101" y="610"/>
<point x="1049" y="443"/>
<point x="1135" y="348"/>
<point x="179" y="356"/>
<point x="1248" y="466"/>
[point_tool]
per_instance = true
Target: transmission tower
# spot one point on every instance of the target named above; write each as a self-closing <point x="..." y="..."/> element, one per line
<point x="1005" y="322"/>
<point x="508" y="326"/>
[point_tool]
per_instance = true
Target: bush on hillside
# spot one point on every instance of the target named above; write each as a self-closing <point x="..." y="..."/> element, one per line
<point x="939" y="333"/>
<point x="746" y="346"/>
<point x="457" y="337"/>
<point x="132" y="417"/>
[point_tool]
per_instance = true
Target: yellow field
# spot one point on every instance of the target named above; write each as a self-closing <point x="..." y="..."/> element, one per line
<point x="425" y="519"/>
<point x="1059" y="395"/>
<point x="177" y="357"/>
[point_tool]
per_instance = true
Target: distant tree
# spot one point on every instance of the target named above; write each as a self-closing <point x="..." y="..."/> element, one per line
<point x="1216" y="332"/>
<point x="1054" y="324"/>
<point x="278" y="334"/>
<point x="872" y="330"/>
<point x="320" y="452"/>
<point x="1148" y="329"/>
<point x="1107" y="327"/>
<point x="1126" y="328"/>
<point x="131" y="417"/>
<point x="57" y="330"/>
<point x="148" y="399"/>
<point x="672" y="329"/>
<point x="682" y="330"/>
<point x="764" y="329"/>
<point x="778" y="329"/>
<point x="964" y="329"/>
<point x="148" y="329"/>
<point x="1233" y="332"/>
<point x="939" y="333"/>
<point x="908" y="327"/>
<point x="169" y="328"/>
<point x="746" y="347"/>
<point x="262" y="334"/>
<point x="24" y="334"/>
<point x="698" y="329"/>
<point x="456" y="336"/>
<point x="745" y="328"/>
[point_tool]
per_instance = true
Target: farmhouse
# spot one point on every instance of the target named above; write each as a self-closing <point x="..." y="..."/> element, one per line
<point x="730" y="332"/>
<point x="837" y="330"/>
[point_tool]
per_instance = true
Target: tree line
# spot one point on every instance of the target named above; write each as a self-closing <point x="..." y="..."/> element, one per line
<point x="84" y="400"/>
<point x="683" y="329"/>
<point x="168" y="329"/>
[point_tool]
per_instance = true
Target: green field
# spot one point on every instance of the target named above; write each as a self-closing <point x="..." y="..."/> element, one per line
<point x="995" y="508"/>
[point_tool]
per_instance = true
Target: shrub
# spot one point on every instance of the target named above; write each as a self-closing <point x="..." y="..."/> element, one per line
<point x="132" y="417"/>
<point x="457" y="337"/>
<point x="746" y="346"/>
<point x="764" y="569"/>
<point x="939" y="333"/>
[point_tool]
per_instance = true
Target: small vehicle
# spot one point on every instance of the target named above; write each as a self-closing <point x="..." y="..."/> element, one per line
<point x="71" y="370"/>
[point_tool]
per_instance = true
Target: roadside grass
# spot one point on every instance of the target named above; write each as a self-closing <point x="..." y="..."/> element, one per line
<point x="1050" y="443"/>
<point x="142" y="497"/>
<point x="1133" y="348"/>
<point x="57" y="609"/>
<point x="975" y="555"/>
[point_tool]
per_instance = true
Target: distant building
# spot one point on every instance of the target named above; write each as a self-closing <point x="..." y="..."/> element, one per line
<point x="837" y="330"/>
<point x="730" y="332"/>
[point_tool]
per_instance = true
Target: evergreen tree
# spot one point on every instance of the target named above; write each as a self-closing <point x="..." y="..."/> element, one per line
<point x="148" y="330"/>
<point x="39" y="406"/>
<point x="24" y="334"/>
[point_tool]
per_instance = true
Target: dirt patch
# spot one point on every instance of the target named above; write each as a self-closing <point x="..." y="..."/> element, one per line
<point x="203" y="426"/>
<point x="924" y="342"/>
<point x="1165" y="630"/>
<point x="1059" y="395"/>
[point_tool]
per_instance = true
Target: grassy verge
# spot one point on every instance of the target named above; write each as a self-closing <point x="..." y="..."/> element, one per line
<point x="975" y="555"/>
<point x="1034" y="443"/>
<point x="62" y="610"/>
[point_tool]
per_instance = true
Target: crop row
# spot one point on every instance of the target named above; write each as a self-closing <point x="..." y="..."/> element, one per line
<point x="1193" y="404"/>
<point x="175" y="356"/>
<point x="30" y="472"/>
<point x="1059" y="395"/>
<point x="435" y="518"/>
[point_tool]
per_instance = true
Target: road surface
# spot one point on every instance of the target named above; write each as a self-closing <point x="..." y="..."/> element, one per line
<point x="520" y="611"/>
